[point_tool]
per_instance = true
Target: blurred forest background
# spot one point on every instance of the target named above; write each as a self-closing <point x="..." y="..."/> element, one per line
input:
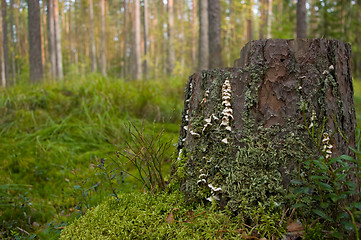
<point x="155" y="38"/>
<point x="102" y="63"/>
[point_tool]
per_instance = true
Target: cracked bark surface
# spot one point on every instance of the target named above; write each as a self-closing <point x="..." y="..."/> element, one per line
<point x="275" y="85"/>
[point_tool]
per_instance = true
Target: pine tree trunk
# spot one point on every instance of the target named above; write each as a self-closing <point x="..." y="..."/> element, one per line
<point x="214" y="34"/>
<point x="194" y="31"/>
<point x="5" y="43"/>
<point x="93" y="56"/>
<point x="203" y="59"/>
<point x="243" y="128"/>
<point x="102" y="52"/>
<point x="35" y="56"/>
<point x="301" y="19"/>
<point x="58" y="52"/>
<point x="171" y="53"/>
<point x="2" y="62"/>
<point x="137" y="74"/>
<point x="146" y="33"/>
<point x="51" y="38"/>
<point x="12" y="38"/>
<point x="250" y="21"/>
<point x="269" y="18"/>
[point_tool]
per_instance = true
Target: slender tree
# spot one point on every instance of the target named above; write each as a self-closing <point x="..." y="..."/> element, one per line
<point x="263" y="19"/>
<point x="214" y="34"/>
<point x="51" y="38"/>
<point x="301" y="19"/>
<point x="58" y="51"/>
<point x="146" y="33"/>
<point x="2" y="62"/>
<point x="203" y="59"/>
<point x="5" y="42"/>
<point x="269" y="19"/>
<point x="171" y="51"/>
<point x="12" y="41"/>
<point x="137" y="65"/>
<point x="92" y="38"/>
<point x="103" y="62"/>
<point x="250" y="21"/>
<point x="194" y="31"/>
<point x="35" y="56"/>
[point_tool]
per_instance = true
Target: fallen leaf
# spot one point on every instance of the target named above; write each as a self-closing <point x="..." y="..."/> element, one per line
<point x="170" y="217"/>
<point x="294" y="227"/>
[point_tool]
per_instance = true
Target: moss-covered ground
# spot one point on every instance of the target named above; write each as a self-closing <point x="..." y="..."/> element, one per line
<point x="53" y="133"/>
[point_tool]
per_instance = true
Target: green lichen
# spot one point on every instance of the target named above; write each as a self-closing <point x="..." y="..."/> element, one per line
<point x="256" y="161"/>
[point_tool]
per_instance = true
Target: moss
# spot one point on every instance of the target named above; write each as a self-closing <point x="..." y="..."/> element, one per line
<point x="165" y="216"/>
<point x="256" y="162"/>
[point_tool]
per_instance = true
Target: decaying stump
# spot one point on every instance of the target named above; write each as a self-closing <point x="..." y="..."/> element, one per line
<point x="244" y="128"/>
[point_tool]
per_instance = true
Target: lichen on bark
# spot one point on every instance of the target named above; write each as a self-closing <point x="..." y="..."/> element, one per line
<point x="271" y="84"/>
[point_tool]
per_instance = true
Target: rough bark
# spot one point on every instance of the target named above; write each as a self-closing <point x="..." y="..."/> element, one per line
<point x="35" y="57"/>
<point x="203" y="59"/>
<point x="301" y="19"/>
<point x="248" y="143"/>
<point x="93" y="56"/>
<point x="214" y="34"/>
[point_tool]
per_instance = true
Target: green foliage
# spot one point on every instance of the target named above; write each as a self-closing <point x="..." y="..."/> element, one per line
<point x="51" y="134"/>
<point x="326" y="188"/>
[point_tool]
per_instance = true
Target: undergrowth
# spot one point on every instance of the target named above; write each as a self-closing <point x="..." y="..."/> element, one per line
<point x="51" y="134"/>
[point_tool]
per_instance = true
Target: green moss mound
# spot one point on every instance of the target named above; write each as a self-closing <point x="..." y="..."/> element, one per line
<point x="146" y="216"/>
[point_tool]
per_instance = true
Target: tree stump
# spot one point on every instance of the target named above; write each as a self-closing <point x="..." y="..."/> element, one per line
<point x="244" y="129"/>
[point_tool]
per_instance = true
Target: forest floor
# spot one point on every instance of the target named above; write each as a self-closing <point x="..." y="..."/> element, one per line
<point x="53" y="135"/>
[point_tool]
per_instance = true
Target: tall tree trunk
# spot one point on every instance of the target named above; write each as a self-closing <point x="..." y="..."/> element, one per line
<point x="269" y="19"/>
<point x="71" y="45"/>
<point x="301" y="19"/>
<point x="194" y="32"/>
<point x="92" y="38"/>
<point x="171" y="51"/>
<point x="12" y="41"/>
<point x="51" y="38"/>
<point x="146" y="33"/>
<point x="125" y="42"/>
<point x="5" y="43"/>
<point x="137" y="74"/>
<point x="102" y="52"/>
<point x="44" y="34"/>
<point x="263" y="19"/>
<point x="214" y="34"/>
<point x="250" y="21"/>
<point x="203" y="59"/>
<point x="58" y="50"/>
<point x="181" y="33"/>
<point x="35" y="56"/>
<point x="2" y="61"/>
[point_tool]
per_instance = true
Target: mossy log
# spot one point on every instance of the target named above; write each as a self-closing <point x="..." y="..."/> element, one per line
<point x="245" y="129"/>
